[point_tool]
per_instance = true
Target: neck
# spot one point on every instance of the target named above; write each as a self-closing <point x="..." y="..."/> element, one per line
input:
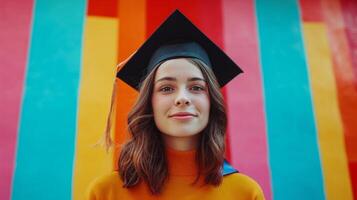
<point x="181" y="143"/>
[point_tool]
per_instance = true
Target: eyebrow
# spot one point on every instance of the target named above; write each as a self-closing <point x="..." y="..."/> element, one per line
<point x="174" y="79"/>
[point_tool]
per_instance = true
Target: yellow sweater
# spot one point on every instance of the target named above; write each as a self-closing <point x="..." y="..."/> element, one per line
<point x="182" y="172"/>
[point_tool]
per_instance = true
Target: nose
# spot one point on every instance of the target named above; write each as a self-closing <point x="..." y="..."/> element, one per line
<point x="182" y="98"/>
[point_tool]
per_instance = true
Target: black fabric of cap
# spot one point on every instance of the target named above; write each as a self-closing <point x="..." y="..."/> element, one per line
<point x="178" y="49"/>
<point x="177" y="37"/>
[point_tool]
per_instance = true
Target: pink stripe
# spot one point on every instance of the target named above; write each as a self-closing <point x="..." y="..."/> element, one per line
<point x="14" y="39"/>
<point x="244" y="94"/>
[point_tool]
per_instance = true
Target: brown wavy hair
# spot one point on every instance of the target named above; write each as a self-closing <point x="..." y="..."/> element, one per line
<point x="143" y="157"/>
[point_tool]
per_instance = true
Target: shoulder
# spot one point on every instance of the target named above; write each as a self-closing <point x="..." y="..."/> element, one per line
<point x="103" y="185"/>
<point x="107" y="180"/>
<point x="243" y="184"/>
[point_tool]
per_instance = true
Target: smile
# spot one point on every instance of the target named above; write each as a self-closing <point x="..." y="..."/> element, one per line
<point x="183" y="116"/>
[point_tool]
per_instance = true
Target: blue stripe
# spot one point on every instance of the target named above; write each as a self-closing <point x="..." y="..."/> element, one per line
<point x="47" y="129"/>
<point x="293" y="147"/>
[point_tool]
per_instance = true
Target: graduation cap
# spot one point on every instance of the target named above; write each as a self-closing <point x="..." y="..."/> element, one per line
<point x="177" y="37"/>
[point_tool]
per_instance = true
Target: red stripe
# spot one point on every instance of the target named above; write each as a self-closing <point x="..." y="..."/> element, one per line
<point x="205" y="15"/>
<point x="244" y="94"/>
<point x="311" y="11"/>
<point x="14" y="39"/>
<point x="105" y="8"/>
<point x="345" y="81"/>
<point x="349" y="12"/>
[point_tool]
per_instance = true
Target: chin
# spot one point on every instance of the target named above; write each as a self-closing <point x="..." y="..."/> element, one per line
<point x="181" y="134"/>
<point x="182" y="131"/>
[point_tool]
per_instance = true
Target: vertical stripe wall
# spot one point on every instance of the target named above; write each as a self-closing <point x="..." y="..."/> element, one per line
<point x="132" y="16"/>
<point x="295" y="100"/>
<point x="324" y="92"/>
<point x="349" y="12"/>
<point x="245" y="103"/>
<point x="293" y="147"/>
<point x="14" y="39"/>
<point x="345" y="81"/>
<point x="328" y="119"/>
<point x="97" y="75"/>
<point x="47" y="129"/>
<point x="100" y="50"/>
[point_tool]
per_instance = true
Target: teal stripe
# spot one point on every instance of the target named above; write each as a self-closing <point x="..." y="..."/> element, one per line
<point x="293" y="147"/>
<point x="47" y="129"/>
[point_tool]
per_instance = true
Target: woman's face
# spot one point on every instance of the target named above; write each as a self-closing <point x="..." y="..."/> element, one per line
<point x="180" y="101"/>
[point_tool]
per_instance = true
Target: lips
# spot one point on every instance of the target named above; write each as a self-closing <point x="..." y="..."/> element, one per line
<point x="183" y="114"/>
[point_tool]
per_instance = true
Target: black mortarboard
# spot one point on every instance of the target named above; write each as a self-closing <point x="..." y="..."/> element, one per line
<point x="177" y="37"/>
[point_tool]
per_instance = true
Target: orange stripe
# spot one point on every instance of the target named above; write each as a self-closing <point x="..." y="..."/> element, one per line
<point x="132" y="15"/>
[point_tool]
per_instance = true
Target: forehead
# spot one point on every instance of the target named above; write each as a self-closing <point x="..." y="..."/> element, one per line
<point x="178" y="68"/>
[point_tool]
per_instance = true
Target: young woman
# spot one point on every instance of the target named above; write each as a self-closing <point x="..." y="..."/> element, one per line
<point x="178" y="122"/>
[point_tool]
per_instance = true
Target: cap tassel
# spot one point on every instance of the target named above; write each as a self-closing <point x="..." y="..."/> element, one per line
<point x="106" y="139"/>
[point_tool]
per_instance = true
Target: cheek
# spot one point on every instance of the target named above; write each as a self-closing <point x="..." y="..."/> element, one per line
<point x="208" y="103"/>
<point x="203" y="105"/>
<point x="206" y="110"/>
<point x="160" y="104"/>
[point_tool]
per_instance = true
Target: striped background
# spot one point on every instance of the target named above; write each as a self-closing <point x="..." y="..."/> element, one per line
<point x="292" y="114"/>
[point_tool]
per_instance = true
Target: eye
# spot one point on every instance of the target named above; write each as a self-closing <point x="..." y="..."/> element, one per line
<point x="166" y="89"/>
<point x="197" y="88"/>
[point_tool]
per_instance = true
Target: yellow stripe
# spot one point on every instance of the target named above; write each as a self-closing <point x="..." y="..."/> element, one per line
<point x="98" y="72"/>
<point x="327" y="114"/>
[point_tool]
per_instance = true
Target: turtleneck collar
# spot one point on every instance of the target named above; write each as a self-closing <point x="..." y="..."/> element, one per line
<point x="181" y="163"/>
